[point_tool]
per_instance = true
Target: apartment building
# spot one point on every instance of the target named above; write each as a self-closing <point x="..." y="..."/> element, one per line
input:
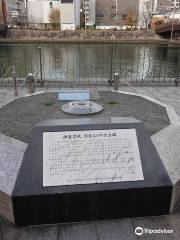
<point x="39" y="11"/>
<point x="151" y="5"/>
<point x="89" y="9"/>
<point x="166" y="6"/>
<point x="15" y="11"/>
<point x="175" y="4"/>
<point x="120" y="12"/>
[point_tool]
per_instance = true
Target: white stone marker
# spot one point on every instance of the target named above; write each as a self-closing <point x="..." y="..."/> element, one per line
<point x="87" y="157"/>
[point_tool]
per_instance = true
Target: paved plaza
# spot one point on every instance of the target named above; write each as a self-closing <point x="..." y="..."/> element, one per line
<point x="167" y="95"/>
<point x="101" y="230"/>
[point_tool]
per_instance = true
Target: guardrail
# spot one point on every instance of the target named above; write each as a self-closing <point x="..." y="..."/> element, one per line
<point x="94" y="65"/>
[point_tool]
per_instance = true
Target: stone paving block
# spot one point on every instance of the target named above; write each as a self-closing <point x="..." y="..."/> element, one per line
<point x="175" y="221"/>
<point x="173" y="96"/>
<point x="164" y="99"/>
<point x="141" y="91"/>
<point x="115" y="230"/>
<point x="128" y="89"/>
<point x="176" y="106"/>
<point x="167" y="144"/>
<point x="158" y="96"/>
<point x="155" y="223"/>
<point x="165" y="90"/>
<point x="38" y="233"/>
<point x="11" y="156"/>
<point x="177" y="92"/>
<point x="79" y="231"/>
<point x="2" y="95"/>
<point x="9" y="232"/>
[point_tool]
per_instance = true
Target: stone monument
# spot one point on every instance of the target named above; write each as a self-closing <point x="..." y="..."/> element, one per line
<point x="90" y="169"/>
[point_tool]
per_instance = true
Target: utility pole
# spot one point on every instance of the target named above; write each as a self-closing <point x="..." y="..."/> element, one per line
<point x="111" y="80"/>
<point x="116" y="11"/>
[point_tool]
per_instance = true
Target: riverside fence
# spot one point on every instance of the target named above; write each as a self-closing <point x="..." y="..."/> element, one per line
<point x="90" y="64"/>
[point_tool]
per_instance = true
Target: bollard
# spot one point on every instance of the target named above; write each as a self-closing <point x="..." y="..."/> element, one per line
<point x="177" y="80"/>
<point x="30" y="82"/>
<point x="14" y="81"/>
<point x="116" y="81"/>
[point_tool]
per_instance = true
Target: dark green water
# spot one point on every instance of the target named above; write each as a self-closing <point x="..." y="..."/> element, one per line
<point x="65" y="62"/>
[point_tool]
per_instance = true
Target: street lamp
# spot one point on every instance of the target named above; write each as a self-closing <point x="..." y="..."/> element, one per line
<point x="116" y="11"/>
<point x="40" y="63"/>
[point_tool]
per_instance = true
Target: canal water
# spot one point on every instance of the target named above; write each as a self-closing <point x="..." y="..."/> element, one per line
<point x="91" y="62"/>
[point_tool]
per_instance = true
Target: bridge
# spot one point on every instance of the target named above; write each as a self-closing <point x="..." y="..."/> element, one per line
<point x="166" y="28"/>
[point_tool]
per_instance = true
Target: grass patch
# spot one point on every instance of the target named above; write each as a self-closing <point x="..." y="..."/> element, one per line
<point x="48" y="104"/>
<point x="113" y="103"/>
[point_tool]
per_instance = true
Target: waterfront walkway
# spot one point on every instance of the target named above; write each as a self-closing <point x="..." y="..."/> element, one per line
<point x="110" y="229"/>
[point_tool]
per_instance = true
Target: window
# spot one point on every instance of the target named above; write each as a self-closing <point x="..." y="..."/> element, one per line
<point x="124" y="16"/>
<point x="113" y="15"/>
<point x="99" y="17"/>
<point x="51" y="5"/>
<point x="66" y="1"/>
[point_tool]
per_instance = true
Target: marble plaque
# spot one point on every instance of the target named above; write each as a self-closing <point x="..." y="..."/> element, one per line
<point x="87" y="157"/>
<point x="73" y="95"/>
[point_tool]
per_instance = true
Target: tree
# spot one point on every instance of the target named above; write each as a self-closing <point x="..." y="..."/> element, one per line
<point x="54" y="17"/>
<point x="131" y="18"/>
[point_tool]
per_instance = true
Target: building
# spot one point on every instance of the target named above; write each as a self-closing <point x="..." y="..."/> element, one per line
<point x="175" y="4"/>
<point x="165" y="6"/>
<point x="14" y="12"/>
<point x="121" y="12"/>
<point x="39" y="11"/>
<point x="150" y="5"/>
<point x="174" y="15"/>
<point x="89" y="9"/>
<point x="149" y="9"/>
<point x="70" y="14"/>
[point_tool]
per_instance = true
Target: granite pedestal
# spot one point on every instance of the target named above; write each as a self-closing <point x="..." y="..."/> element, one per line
<point x="37" y="203"/>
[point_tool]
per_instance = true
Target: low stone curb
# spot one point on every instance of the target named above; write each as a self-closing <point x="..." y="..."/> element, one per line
<point x="166" y="142"/>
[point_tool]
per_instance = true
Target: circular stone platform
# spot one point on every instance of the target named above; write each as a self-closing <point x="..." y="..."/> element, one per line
<point x="19" y="117"/>
<point x="81" y="108"/>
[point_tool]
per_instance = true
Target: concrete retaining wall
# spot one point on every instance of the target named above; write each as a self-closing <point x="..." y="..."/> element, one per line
<point x="82" y="34"/>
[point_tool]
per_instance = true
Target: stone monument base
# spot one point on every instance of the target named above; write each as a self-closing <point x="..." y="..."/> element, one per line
<point x="60" y="183"/>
